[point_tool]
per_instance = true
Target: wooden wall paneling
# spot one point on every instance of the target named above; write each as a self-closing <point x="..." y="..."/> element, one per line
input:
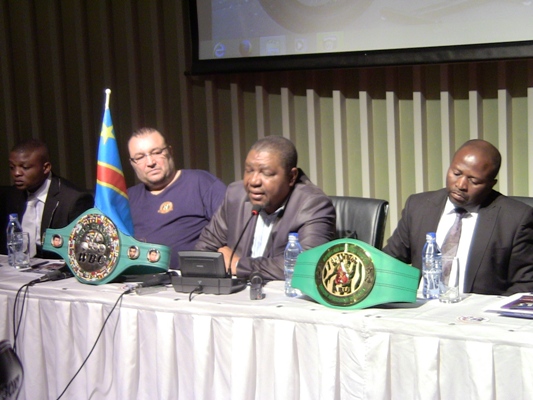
<point x="250" y="132"/>
<point x="366" y="112"/>
<point x="367" y="143"/>
<point x="340" y="143"/>
<point x="213" y="134"/>
<point x="447" y="120"/>
<point x="287" y="114"/>
<point x="262" y="105"/>
<point x="237" y="128"/>
<point x="504" y="131"/>
<point x="315" y="137"/>
<point x="186" y="105"/>
<point x="475" y="104"/>
<point x="393" y="145"/>
<point x="419" y="130"/>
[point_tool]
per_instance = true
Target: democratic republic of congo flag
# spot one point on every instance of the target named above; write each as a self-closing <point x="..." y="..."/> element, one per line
<point x="111" y="193"/>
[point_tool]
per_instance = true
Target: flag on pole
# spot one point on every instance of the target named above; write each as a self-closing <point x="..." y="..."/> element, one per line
<point x="111" y="192"/>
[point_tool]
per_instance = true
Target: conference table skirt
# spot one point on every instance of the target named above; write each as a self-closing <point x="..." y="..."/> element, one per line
<point x="161" y="346"/>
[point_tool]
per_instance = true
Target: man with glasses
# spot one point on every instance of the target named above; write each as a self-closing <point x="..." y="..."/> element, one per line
<point x="169" y="206"/>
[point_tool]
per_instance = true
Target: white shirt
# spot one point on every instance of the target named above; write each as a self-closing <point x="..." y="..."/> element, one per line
<point x="263" y="228"/>
<point x="39" y="198"/>
<point x="467" y="233"/>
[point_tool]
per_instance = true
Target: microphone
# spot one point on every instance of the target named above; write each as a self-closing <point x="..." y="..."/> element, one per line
<point x="256" y="286"/>
<point x="256" y="209"/>
<point x="159" y="279"/>
<point x="147" y="286"/>
<point x="56" y="275"/>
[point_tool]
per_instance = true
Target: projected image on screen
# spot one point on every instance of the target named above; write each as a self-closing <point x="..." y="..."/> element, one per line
<point x="260" y="28"/>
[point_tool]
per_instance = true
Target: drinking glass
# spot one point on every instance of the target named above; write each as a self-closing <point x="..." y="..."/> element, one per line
<point x="449" y="288"/>
<point x="21" y="253"/>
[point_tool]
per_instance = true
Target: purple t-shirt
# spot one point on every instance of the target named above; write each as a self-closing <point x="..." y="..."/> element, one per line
<point x="176" y="216"/>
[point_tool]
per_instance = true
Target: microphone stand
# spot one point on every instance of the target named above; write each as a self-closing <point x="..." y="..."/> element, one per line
<point x="256" y="209"/>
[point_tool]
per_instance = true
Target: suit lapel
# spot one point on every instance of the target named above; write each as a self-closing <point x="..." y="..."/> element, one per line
<point x="19" y="202"/>
<point x="427" y="219"/>
<point x="483" y="231"/>
<point x="248" y="236"/>
<point x="431" y="218"/>
<point x="52" y="201"/>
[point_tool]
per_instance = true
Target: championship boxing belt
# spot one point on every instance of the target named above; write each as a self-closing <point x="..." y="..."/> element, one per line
<point x="350" y="274"/>
<point x="97" y="252"/>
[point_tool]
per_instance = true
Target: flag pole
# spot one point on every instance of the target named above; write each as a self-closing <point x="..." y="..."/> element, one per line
<point x="107" y="96"/>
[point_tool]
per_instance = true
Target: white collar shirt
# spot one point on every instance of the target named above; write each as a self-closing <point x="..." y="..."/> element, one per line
<point x="263" y="228"/>
<point x="37" y="200"/>
<point x="467" y="233"/>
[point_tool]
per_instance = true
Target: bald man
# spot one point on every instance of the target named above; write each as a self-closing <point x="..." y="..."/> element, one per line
<point x="496" y="241"/>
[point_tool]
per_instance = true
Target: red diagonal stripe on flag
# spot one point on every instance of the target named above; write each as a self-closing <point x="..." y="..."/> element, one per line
<point x="111" y="178"/>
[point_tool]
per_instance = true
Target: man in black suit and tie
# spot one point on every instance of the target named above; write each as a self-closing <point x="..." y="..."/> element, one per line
<point x="41" y="199"/>
<point x="496" y="241"/>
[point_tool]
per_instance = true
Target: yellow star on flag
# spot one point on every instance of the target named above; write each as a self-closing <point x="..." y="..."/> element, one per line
<point x="107" y="132"/>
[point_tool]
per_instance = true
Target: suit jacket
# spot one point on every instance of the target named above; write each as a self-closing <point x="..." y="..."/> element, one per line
<point x="64" y="203"/>
<point x="500" y="260"/>
<point x="308" y="211"/>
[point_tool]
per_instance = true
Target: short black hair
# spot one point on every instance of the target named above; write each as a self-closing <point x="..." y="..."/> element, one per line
<point x="280" y="146"/>
<point x="32" y="145"/>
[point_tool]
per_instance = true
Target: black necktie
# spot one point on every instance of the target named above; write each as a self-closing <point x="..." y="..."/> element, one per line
<point x="451" y="243"/>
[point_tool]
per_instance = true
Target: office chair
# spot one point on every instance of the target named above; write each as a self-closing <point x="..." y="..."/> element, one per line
<point x="361" y="218"/>
<point x="526" y="200"/>
<point x="11" y="372"/>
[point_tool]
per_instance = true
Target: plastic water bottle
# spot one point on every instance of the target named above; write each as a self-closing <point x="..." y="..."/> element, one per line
<point x="291" y="254"/>
<point x="431" y="267"/>
<point x="13" y="226"/>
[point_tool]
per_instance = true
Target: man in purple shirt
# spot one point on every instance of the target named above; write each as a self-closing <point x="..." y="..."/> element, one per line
<point x="169" y="206"/>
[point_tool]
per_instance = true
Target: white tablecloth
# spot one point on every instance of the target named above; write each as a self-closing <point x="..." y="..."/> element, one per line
<point x="161" y="346"/>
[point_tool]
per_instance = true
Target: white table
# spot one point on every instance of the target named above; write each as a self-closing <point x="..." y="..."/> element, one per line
<point x="161" y="346"/>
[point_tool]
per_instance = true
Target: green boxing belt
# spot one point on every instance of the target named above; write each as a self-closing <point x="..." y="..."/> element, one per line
<point x="97" y="252"/>
<point x="350" y="274"/>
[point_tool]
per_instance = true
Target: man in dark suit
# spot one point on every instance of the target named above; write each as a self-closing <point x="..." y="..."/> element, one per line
<point x="289" y="202"/>
<point x="496" y="243"/>
<point x="54" y="201"/>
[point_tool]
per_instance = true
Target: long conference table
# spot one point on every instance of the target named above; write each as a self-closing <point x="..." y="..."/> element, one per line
<point x="163" y="346"/>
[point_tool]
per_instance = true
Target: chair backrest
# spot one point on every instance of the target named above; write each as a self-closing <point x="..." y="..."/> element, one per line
<point x="527" y="200"/>
<point x="11" y="373"/>
<point x="361" y="218"/>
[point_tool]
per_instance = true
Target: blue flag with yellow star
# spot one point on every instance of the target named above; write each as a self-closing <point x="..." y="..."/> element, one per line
<point x="111" y="193"/>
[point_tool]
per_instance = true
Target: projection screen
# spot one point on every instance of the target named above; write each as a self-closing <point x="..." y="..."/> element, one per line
<point x="255" y="35"/>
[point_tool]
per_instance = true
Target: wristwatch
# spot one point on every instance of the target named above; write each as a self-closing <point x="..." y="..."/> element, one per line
<point x="97" y="252"/>
<point x="351" y="274"/>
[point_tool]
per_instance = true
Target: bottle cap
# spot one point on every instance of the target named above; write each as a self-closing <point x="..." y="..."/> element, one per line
<point x="13" y="216"/>
<point x="293" y="234"/>
<point x="430" y="236"/>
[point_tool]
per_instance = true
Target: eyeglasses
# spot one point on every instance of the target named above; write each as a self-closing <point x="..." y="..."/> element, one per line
<point x="155" y="153"/>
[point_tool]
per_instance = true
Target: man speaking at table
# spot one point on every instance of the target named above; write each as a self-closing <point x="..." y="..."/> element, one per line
<point x="496" y="236"/>
<point x="288" y="202"/>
